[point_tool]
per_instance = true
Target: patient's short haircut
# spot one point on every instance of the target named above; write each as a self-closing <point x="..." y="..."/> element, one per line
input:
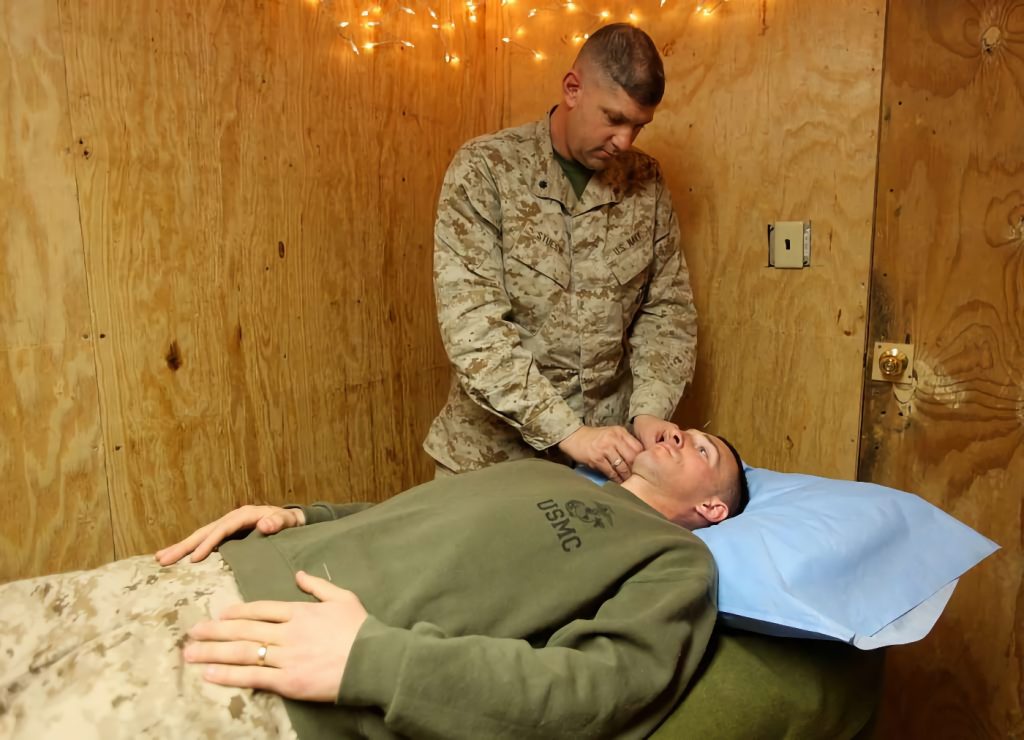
<point x="740" y="493"/>
<point x="630" y="59"/>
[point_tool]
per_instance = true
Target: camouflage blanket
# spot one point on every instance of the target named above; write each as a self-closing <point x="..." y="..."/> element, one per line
<point x="97" y="654"/>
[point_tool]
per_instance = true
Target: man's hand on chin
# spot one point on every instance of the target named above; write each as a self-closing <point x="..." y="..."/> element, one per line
<point x="610" y="450"/>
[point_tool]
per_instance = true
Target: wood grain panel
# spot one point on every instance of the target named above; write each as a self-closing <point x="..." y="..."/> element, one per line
<point x="52" y="484"/>
<point x="258" y="206"/>
<point x="770" y="113"/>
<point x="948" y="275"/>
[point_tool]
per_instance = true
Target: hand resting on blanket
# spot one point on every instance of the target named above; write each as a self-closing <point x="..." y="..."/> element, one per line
<point x="267" y="519"/>
<point x="294" y="666"/>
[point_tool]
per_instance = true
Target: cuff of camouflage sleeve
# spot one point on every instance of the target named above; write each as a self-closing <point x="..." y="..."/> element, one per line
<point x="550" y="426"/>
<point x="661" y="405"/>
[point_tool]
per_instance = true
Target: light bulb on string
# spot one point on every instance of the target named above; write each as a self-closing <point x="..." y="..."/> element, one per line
<point x="537" y="54"/>
<point x="342" y="26"/>
<point x="369" y="45"/>
<point x="363" y="35"/>
<point x="708" y="8"/>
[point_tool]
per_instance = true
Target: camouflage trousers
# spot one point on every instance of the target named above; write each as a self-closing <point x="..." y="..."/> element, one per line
<point x="97" y="654"/>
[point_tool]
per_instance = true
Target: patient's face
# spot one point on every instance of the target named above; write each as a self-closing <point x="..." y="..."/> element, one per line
<point x="688" y="467"/>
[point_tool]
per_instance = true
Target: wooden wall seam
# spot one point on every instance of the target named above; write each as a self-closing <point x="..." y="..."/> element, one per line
<point x="874" y="215"/>
<point x="51" y="453"/>
<point x="94" y="333"/>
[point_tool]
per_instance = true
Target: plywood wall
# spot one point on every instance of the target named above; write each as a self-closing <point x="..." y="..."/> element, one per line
<point x="250" y="284"/>
<point x="215" y="267"/>
<point x="771" y="113"/>
<point x="948" y="276"/>
<point x="53" y="491"/>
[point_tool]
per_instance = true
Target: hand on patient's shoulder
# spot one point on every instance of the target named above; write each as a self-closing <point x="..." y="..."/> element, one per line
<point x="610" y="450"/>
<point x="304" y="646"/>
<point x="267" y="519"/>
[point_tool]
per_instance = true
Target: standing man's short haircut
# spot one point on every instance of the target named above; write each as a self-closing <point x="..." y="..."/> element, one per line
<point x="630" y="59"/>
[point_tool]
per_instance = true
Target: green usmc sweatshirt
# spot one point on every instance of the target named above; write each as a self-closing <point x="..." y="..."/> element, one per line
<point x="518" y="601"/>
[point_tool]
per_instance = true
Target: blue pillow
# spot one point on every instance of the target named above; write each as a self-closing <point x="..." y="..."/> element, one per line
<point x="857" y="562"/>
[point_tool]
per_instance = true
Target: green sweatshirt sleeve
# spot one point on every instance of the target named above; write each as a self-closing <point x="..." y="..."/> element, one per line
<point x="618" y="673"/>
<point x="324" y="512"/>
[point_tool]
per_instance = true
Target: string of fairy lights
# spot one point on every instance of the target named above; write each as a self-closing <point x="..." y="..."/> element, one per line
<point x="393" y="23"/>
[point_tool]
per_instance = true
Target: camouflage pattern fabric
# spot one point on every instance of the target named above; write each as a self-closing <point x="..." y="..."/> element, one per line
<point x="97" y="654"/>
<point x="555" y="311"/>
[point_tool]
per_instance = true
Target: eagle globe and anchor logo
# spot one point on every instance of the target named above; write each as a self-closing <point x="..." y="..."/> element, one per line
<point x="561" y="519"/>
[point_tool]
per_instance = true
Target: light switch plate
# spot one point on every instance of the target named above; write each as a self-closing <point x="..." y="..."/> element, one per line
<point x="789" y="244"/>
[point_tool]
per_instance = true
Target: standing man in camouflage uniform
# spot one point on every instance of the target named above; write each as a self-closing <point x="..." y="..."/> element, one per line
<point x="563" y="297"/>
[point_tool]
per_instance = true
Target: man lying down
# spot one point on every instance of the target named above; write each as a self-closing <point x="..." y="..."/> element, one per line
<point x="522" y="600"/>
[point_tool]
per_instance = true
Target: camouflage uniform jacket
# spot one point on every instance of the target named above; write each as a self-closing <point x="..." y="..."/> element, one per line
<point x="555" y="311"/>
